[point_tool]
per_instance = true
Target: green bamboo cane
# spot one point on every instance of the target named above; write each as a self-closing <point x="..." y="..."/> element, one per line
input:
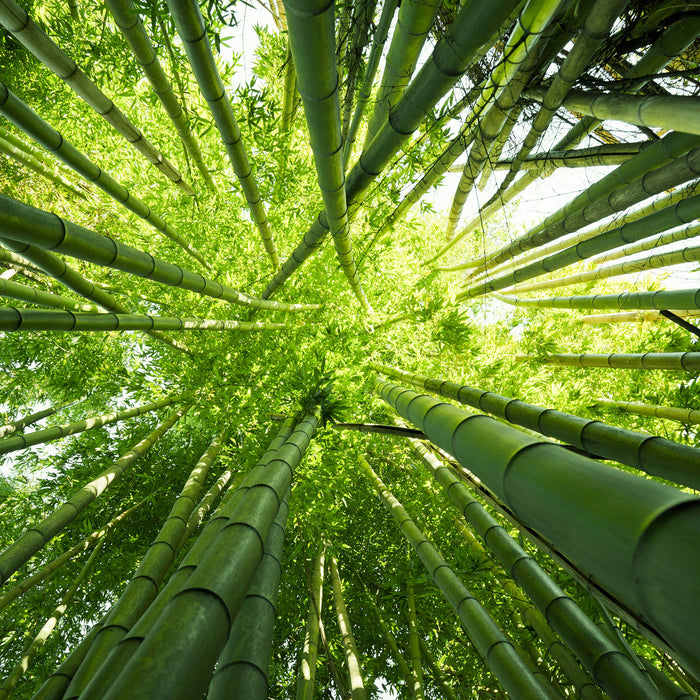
<point x="10" y="683"/>
<point x="12" y="319"/>
<point x="378" y="41"/>
<point x="611" y="670"/>
<point x="498" y="145"/>
<point x="497" y="651"/>
<point x="652" y="262"/>
<point x="245" y="660"/>
<point x="668" y="112"/>
<point x="199" y="618"/>
<point x="143" y="586"/>
<point x="35" y="40"/>
<point x="290" y="86"/>
<point x="627" y="532"/>
<point x="636" y="317"/>
<point x="27" y="225"/>
<point x="681" y="415"/>
<point x="20" y="442"/>
<point x="312" y="40"/>
<point x="125" y="649"/>
<point x="52" y="265"/>
<point x="36" y="153"/>
<point x="675" y="299"/>
<point x="38" y="167"/>
<point x="652" y="454"/>
<point x="127" y="19"/>
<point x="51" y="567"/>
<point x="357" y="684"/>
<point x="28" y="544"/>
<point x="34" y="126"/>
<point x="414" y="22"/>
<point x="22" y="423"/>
<point x="438" y="675"/>
<point x="190" y="26"/>
<point x="473" y="26"/>
<point x="688" y="361"/>
<point x="21" y="292"/>
<point x="309" y="653"/>
<point x="414" y="646"/>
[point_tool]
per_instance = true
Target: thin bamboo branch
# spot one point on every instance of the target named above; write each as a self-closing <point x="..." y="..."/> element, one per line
<point x="681" y="415"/>
<point x="309" y="652"/>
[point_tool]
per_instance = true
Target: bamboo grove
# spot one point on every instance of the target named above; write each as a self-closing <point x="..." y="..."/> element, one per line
<point x="288" y="408"/>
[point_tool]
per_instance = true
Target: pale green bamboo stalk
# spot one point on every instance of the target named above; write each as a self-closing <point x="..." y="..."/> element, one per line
<point x="494" y="647"/>
<point x="49" y="569"/>
<point x="33" y="151"/>
<point x="681" y="415"/>
<point x="414" y="646"/>
<point x="34" y="126"/>
<point x="20" y="442"/>
<point x="636" y="317"/>
<point x="35" y="40"/>
<point x="688" y="361"/>
<point x="10" y="683"/>
<point x="27" y="225"/>
<point x="499" y="144"/>
<point x="22" y="423"/>
<point x="14" y="290"/>
<point x="12" y="319"/>
<point x="39" y="534"/>
<point x="357" y="685"/>
<point x="290" y="87"/>
<point x="307" y="663"/>
<point x="127" y="19"/>
<point x="190" y="26"/>
<point x="667" y="112"/>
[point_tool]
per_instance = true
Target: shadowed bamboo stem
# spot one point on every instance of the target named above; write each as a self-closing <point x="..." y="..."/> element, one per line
<point x="309" y="653"/>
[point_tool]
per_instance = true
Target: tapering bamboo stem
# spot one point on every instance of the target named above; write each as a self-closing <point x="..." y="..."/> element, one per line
<point x="22" y="423"/>
<point x="681" y="415"/>
<point x="309" y="653"/>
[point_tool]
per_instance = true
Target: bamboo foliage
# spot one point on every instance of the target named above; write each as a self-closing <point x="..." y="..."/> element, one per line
<point x="309" y="653"/>
<point x="636" y="317"/>
<point x="190" y="27"/>
<point x="28" y="33"/>
<point x="682" y="415"/>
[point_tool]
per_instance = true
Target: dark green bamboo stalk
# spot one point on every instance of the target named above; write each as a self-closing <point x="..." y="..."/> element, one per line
<point x="243" y="667"/>
<point x="312" y="40"/>
<point x="127" y="19"/>
<point x="414" y="646"/>
<point x="22" y="423"/>
<point x="625" y="531"/>
<point x="30" y="35"/>
<point x="496" y="650"/>
<point x="307" y="663"/>
<point x="39" y="534"/>
<point x="27" y="225"/>
<point x="190" y="26"/>
<point x="357" y="684"/>
<point x="20" y="442"/>
<point x="652" y="454"/>
<point x="143" y="587"/>
<point x="682" y="415"/>
<point x="34" y="126"/>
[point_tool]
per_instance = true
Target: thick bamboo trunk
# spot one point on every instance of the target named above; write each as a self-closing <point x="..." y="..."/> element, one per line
<point x="681" y="415"/>
<point x="309" y="653"/>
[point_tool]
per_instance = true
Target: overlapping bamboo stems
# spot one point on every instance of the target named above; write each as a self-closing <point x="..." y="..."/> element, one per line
<point x="665" y="164"/>
<point x="414" y="645"/>
<point x="125" y="649"/>
<point x="127" y="19"/>
<point x="245" y="660"/>
<point x="611" y="670"/>
<point x="34" y="126"/>
<point x="652" y="454"/>
<point x="675" y="215"/>
<point x="673" y="41"/>
<point x="30" y="35"/>
<point x="10" y="683"/>
<point x="474" y="25"/>
<point x="143" y="586"/>
<point x="682" y="415"/>
<point x="190" y="26"/>
<point x="51" y="567"/>
<point x="306" y="677"/>
<point x="668" y="112"/>
<point x="199" y="618"/>
<point x="636" y="317"/>
<point x="21" y="292"/>
<point x="20" y="442"/>
<point x="27" y="225"/>
<point x="521" y="46"/>
<point x="52" y="265"/>
<point x="583" y="684"/>
<point x="352" y="659"/>
<point x="498" y="145"/>
<point x="22" y="423"/>
<point x="413" y="24"/>
<point x="497" y="650"/>
<point x="12" y="319"/>
<point x="627" y="555"/>
<point x="688" y="361"/>
<point x="438" y="675"/>
<point x="312" y="39"/>
<point x="378" y="40"/>
<point x="35" y="152"/>
<point x="38" y="167"/>
<point x="28" y="544"/>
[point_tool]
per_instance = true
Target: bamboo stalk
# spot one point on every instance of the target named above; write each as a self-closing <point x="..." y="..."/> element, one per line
<point x="290" y="87"/>
<point x="309" y="653"/>
<point x="438" y="675"/>
<point x="681" y="415"/>
<point x="414" y="646"/>
<point x="21" y="292"/>
<point x="22" y="423"/>
<point x="688" y="361"/>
